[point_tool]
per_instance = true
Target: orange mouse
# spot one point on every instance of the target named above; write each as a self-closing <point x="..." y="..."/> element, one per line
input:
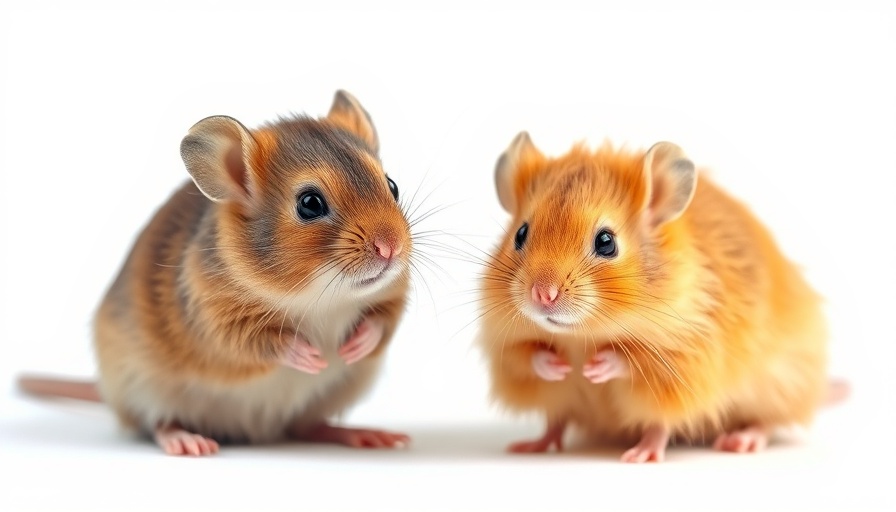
<point x="634" y="299"/>
<point x="258" y="301"/>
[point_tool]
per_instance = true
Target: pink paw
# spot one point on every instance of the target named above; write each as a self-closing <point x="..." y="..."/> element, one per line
<point x="362" y="342"/>
<point x="604" y="366"/>
<point x="303" y="357"/>
<point x="651" y="447"/>
<point x="549" y="366"/>
<point x="356" y="437"/>
<point x="176" y="441"/>
<point x="639" y="454"/>
<point x="553" y="436"/>
<point x="750" y="439"/>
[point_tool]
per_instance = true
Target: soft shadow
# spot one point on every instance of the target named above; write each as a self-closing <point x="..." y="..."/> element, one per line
<point x="449" y="444"/>
<point x="62" y="423"/>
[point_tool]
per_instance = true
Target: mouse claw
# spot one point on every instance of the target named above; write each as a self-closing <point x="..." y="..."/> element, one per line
<point x="362" y="342"/>
<point x="750" y="439"/>
<point x="550" y="366"/>
<point x="355" y="437"/>
<point x="304" y="357"/>
<point x="651" y="447"/>
<point x="177" y="441"/>
<point x="553" y="436"/>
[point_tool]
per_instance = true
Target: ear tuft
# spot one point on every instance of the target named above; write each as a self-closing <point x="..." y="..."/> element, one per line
<point x="348" y="114"/>
<point x="671" y="182"/>
<point x="507" y="167"/>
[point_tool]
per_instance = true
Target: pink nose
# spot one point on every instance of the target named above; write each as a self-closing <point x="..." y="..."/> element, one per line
<point x="386" y="250"/>
<point x="546" y="296"/>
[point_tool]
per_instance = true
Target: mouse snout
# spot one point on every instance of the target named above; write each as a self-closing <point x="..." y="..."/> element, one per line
<point x="545" y="295"/>
<point x="387" y="249"/>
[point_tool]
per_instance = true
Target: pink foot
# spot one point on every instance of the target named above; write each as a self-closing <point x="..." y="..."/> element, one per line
<point x="303" y="357"/>
<point x="553" y="436"/>
<point x="355" y="437"/>
<point x="177" y="441"/>
<point x="651" y="447"/>
<point x="750" y="439"/>
<point x="604" y="366"/>
<point x="549" y="366"/>
<point x="362" y="342"/>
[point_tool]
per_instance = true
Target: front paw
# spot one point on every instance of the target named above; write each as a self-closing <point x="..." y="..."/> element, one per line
<point x="549" y="366"/>
<point x="604" y="366"/>
<point x="361" y="343"/>
<point x="303" y="357"/>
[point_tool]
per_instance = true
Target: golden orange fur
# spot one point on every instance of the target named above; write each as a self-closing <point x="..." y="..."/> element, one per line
<point x="718" y="327"/>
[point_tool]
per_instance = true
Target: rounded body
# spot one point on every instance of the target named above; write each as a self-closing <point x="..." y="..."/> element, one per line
<point x="718" y="329"/>
<point x="166" y="330"/>
<point x="259" y="299"/>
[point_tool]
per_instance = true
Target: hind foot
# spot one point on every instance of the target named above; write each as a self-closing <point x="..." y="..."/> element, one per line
<point x="750" y="439"/>
<point x="553" y="436"/>
<point x="651" y="447"/>
<point x="354" y="437"/>
<point x="177" y="441"/>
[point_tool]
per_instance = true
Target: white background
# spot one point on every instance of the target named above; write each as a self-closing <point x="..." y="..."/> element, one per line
<point x="792" y="106"/>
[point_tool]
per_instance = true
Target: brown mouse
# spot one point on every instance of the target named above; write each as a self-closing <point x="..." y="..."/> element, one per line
<point x="633" y="298"/>
<point x="259" y="300"/>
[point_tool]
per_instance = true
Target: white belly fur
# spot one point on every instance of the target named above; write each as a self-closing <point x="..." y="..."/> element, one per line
<point x="258" y="411"/>
<point x="261" y="409"/>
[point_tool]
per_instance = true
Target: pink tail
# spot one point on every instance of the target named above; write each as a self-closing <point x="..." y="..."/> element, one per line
<point x="60" y="388"/>
<point x="838" y="391"/>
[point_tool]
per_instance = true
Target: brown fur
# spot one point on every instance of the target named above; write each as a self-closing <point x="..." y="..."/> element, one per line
<point x="217" y="283"/>
<point x="719" y="328"/>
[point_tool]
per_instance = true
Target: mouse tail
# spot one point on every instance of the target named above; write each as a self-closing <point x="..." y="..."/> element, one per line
<point x="838" y="391"/>
<point x="60" y="388"/>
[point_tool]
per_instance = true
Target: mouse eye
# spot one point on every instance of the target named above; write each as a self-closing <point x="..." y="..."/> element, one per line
<point x="392" y="187"/>
<point x="605" y="244"/>
<point x="311" y="206"/>
<point x="521" y="234"/>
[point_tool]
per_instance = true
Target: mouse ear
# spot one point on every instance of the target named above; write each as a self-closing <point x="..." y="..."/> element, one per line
<point x="348" y="114"/>
<point x="507" y="170"/>
<point x="671" y="180"/>
<point x="217" y="153"/>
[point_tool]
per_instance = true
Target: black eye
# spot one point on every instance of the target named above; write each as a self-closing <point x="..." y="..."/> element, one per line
<point x="521" y="236"/>
<point x="605" y="244"/>
<point x="311" y="206"/>
<point x="392" y="187"/>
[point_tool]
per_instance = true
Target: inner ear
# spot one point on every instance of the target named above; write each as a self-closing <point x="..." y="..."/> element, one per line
<point x="671" y="180"/>
<point x="347" y="113"/>
<point x="217" y="153"/>
<point x="236" y="168"/>
<point x="510" y="180"/>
